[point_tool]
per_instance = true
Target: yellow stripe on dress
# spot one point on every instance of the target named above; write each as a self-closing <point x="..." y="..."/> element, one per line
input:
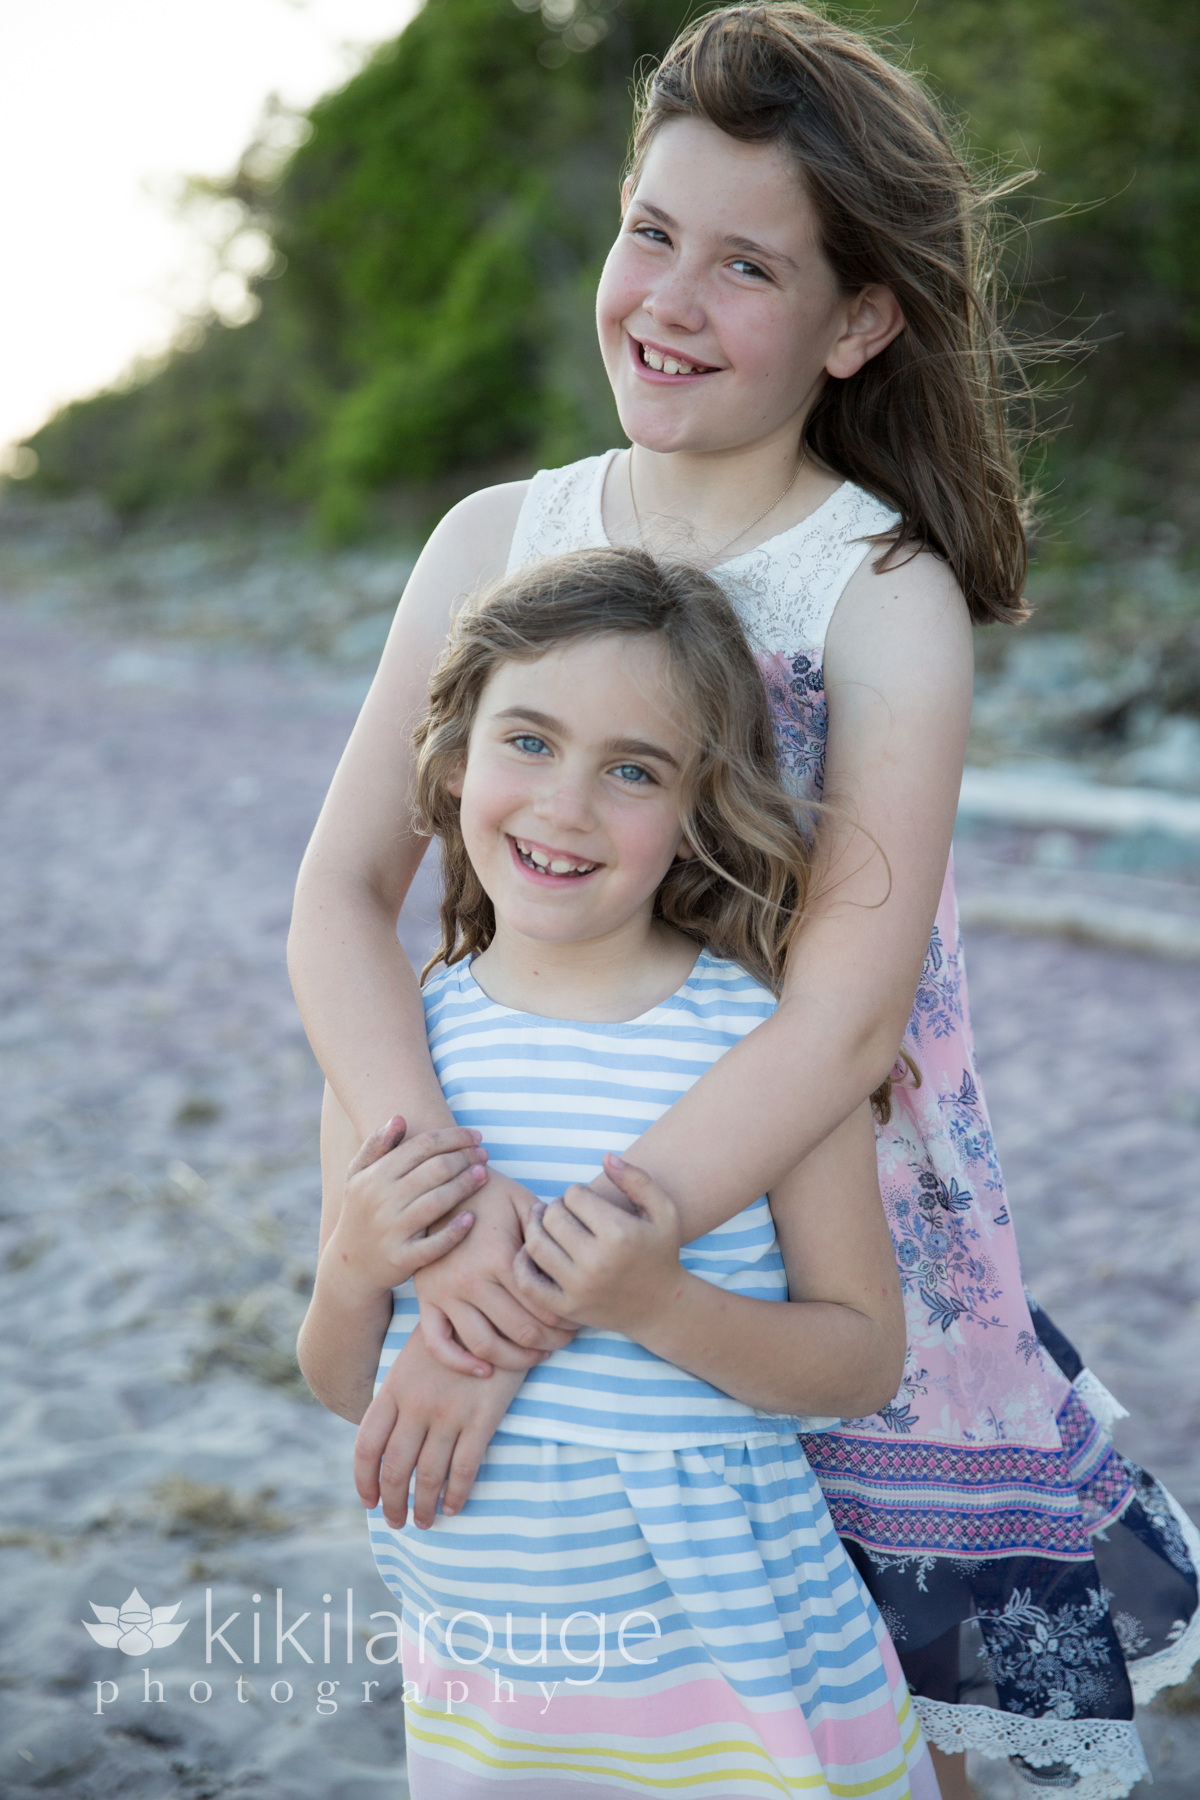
<point x="547" y="1763"/>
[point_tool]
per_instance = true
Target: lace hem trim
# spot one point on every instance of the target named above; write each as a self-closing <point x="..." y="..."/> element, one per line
<point x="1168" y="1667"/>
<point x="1105" y="1755"/>
<point x="1104" y="1407"/>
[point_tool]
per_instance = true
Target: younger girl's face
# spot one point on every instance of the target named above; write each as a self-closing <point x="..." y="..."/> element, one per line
<point x="570" y="795"/>
<point x="717" y="310"/>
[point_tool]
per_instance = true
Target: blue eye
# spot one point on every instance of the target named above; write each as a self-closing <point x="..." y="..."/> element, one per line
<point x="529" y="743"/>
<point x="652" y="232"/>
<point x="633" y="772"/>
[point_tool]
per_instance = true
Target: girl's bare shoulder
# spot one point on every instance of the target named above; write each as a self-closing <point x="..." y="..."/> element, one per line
<point x="469" y="547"/>
<point x="900" y="613"/>
<point x="489" y="510"/>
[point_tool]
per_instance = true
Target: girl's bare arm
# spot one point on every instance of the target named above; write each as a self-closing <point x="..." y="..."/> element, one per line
<point x="837" y="1348"/>
<point x="898" y="674"/>
<point x="357" y="994"/>
<point x="383" y="1216"/>
<point x="898" y="670"/>
<point x="425" y="1423"/>
<point x="354" y="986"/>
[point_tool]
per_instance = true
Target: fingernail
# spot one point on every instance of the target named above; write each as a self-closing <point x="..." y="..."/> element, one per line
<point x="449" y="1511"/>
<point x="615" y="1162"/>
<point x="465" y="1219"/>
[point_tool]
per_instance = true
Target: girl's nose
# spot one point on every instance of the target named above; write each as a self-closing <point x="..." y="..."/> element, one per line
<point x="567" y="805"/>
<point x="676" y="302"/>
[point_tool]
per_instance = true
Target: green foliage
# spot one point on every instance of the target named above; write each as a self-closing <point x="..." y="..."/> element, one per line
<point x="224" y="417"/>
<point x="1101" y="97"/>
<point x="461" y="394"/>
<point x="441" y="229"/>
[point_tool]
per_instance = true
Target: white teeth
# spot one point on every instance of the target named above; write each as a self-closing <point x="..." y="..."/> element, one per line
<point x="557" y="865"/>
<point x="669" y="365"/>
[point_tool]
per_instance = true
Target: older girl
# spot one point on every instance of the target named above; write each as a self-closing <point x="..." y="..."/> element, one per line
<point x="795" y="322"/>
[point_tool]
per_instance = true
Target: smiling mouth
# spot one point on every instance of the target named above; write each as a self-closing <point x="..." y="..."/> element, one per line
<point x="664" y="363"/>
<point x="549" y="862"/>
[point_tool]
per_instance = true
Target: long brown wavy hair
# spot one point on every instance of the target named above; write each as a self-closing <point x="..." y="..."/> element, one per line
<point x="928" y="424"/>
<point x="742" y="891"/>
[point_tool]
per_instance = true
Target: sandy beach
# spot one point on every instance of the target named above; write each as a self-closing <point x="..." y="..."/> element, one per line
<point x="158" y="1118"/>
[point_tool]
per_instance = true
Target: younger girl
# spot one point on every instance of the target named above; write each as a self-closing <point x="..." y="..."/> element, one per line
<point x="645" y="1592"/>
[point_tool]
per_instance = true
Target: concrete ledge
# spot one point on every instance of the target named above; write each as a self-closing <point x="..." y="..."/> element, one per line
<point x="1010" y="798"/>
<point x="1086" y="921"/>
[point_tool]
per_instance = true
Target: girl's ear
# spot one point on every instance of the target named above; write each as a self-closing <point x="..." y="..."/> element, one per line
<point x="626" y="190"/>
<point x="685" y="853"/>
<point x="873" y="319"/>
<point x="454" y="782"/>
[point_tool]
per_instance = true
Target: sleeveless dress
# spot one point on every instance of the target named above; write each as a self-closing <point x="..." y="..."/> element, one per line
<point x="1035" y="1582"/>
<point x="645" y="1592"/>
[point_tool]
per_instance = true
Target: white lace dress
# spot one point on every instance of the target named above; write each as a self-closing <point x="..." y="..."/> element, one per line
<point x="1034" y="1581"/>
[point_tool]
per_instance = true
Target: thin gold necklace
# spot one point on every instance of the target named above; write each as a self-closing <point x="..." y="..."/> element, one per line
<point x="721" y="548"/>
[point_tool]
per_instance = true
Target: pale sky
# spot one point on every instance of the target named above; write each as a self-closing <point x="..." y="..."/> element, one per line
<point x="104" y="106"/>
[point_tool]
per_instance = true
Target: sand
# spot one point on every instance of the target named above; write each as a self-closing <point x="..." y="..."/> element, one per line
<point x="158" y="1117"/>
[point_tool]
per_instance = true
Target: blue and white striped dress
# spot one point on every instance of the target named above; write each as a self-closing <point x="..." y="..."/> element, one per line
<point x="644" y="1593"/>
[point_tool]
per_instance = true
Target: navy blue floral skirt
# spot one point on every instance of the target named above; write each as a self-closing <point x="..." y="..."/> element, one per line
<point x="1040" y="1659"/>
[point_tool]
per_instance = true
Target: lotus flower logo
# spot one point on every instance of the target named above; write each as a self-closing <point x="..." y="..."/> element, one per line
<point x="134" y="1627"/>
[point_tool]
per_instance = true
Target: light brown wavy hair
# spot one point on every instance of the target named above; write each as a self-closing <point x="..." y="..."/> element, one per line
<point x="929" y="424"/>
<point x="743" y="890"/>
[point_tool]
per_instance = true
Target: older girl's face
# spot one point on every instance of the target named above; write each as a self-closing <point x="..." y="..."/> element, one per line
<point x="717" y="311"/>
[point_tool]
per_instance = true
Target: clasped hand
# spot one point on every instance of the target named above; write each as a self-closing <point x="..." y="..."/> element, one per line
<point x="397" y="1189"/>
<point x="530" y="1274"/>
<point x="592" y="1262"/>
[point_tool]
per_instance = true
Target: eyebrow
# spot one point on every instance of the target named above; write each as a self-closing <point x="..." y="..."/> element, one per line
<point x="761" y="252"/>
<point x="747" y="246"/>
<point x="638" y="747"/>
<point x="611" y="746"/>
